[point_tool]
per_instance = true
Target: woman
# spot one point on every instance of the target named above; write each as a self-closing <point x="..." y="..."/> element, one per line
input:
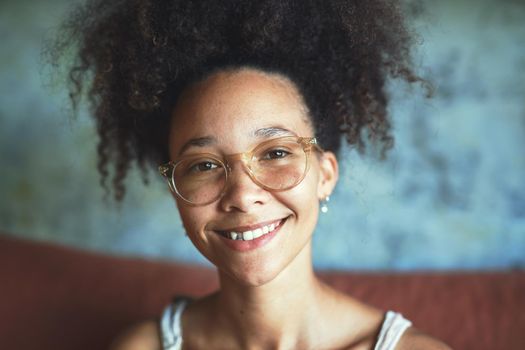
<point x="244" y="104"/>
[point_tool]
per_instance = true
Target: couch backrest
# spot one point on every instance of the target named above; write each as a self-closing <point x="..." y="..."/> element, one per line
<point x="54" y="297"/>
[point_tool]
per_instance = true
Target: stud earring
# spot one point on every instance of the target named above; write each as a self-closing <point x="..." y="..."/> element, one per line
<point x="324" y="204"/>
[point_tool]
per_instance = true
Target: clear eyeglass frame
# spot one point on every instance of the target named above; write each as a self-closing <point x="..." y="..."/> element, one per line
<point x="308" y="144"/>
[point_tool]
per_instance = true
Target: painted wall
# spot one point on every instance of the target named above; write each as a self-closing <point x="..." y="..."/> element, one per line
<point x="450" y="196"/>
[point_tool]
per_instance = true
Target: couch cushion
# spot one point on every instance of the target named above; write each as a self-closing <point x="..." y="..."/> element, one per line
<point x="59" y="298"/>
<point x="54" y="297"/>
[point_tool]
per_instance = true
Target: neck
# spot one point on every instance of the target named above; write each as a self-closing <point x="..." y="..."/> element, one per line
<point x="278" y="314"/>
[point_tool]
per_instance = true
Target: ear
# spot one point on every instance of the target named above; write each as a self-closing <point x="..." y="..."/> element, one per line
<point x="329" y="174"/>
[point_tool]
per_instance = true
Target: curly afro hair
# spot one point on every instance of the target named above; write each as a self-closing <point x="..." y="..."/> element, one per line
<point x="133" y="58"/>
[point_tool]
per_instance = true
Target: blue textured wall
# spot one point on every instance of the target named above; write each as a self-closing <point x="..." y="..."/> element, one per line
<point x="450" y="196"/>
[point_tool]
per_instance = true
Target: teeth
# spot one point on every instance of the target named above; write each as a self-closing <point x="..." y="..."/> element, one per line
<point x="253" y="234"/>
<point x="257" y="233"/>
<point x="247" y="236"/>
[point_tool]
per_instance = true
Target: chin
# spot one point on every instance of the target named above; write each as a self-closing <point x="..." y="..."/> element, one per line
<point x="254" y="276"/>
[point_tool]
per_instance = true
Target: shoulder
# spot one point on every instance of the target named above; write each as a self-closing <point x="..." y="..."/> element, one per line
<point x="143" y="336"/>
<point x="414" y="339"/>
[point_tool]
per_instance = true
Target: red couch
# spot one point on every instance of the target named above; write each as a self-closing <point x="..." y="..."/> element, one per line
<point x="57" y="298"/>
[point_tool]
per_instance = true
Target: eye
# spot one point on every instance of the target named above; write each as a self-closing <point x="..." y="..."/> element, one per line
<point x="276" y="154"/>
<point x="203" y="167"/>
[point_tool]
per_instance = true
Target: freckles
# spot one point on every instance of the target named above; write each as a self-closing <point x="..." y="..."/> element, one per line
<point x="197" y="228"/>
<point x="189" y="221"/>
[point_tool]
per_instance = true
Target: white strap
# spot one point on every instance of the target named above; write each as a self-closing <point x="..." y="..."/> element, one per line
<point x="170" y="325"/>
<point x="392" y="329"/>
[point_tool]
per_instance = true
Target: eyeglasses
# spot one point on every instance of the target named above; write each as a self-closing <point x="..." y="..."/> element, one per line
<point x="276" y="165"/>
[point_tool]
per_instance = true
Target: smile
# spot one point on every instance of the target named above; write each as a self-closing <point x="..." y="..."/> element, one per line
<point x="257" y="231"/>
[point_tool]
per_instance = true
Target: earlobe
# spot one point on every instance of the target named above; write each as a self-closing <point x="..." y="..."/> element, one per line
<point x="329" y="174"/>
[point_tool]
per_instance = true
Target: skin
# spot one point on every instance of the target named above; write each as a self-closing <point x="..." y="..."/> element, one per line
<point x="269" y="297"/>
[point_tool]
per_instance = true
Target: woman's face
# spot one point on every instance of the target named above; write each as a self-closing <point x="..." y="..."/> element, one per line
<point x="231" y="112"/>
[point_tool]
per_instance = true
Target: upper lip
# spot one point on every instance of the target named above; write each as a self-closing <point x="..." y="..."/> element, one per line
<point x="251" y="227"/>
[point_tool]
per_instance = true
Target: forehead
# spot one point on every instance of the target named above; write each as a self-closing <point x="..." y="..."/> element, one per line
<point x="235" y="103"/>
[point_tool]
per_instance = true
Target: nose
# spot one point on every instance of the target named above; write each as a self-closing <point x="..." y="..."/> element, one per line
<point x="242" y="193"/>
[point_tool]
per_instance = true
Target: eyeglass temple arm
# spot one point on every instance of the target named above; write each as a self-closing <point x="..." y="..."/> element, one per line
<point x="313" y="143"/>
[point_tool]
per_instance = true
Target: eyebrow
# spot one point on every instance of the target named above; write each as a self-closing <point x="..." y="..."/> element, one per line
<point x="198" y="142"/>
<point x="259" y="133"/>
<point x="273" y="131"/>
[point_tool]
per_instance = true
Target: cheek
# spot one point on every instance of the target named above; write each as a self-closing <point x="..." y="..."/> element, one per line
<point x="194" y="221"/>
<point x="191" y="218"/>
<point x="302" y="199"/>
<point x="309" y="186"/>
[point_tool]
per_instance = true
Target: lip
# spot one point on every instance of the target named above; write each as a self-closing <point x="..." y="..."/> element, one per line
<point x="251" y="227"/>
<point x="244" y="246"/>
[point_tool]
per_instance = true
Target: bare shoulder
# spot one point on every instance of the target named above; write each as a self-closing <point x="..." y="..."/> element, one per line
<point x="414" y="339"/>
<point x="143" y="336"/>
